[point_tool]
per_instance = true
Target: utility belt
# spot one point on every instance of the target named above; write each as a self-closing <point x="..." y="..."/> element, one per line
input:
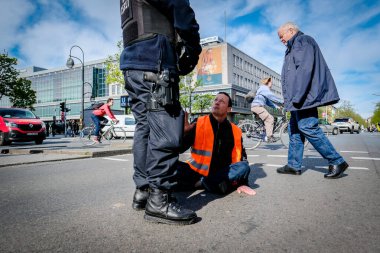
<point x="164" y="91"/>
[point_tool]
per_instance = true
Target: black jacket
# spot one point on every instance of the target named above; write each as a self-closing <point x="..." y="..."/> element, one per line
<point x="159" y="52"/>
<point x="306" y="79"/>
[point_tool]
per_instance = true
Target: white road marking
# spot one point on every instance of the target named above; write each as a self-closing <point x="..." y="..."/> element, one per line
<point x="275" y="165"/>
<point x="366" y="158"/>
<point x="352" y="151"/>
<point x="116" y="159"/>
<point x="351" y="168"/>
<point x="253" y="155"/>
<point x="277" y="155"/>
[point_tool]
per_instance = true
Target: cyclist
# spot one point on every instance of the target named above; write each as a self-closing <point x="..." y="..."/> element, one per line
<point x="264" y="96"/>
<point x="99" y="120"/>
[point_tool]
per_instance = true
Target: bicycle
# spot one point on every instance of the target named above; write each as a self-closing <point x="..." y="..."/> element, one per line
<point x="254" y="133"/>
<point x="113" y="132"/>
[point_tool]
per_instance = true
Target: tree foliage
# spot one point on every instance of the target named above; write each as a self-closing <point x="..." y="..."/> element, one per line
<point x="19" y="90"/>
<point x="8" y="74"/>
<point x="187" y="87"/>
<point x="202" y="102"/>
<point x="22" y="94"/>
<point x="376" y="114"/>
<point x="346" y="109"/>
<point x="114" y="74"/>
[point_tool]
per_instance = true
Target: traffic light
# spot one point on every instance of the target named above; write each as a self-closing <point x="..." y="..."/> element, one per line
<point x="62" y="106"/>
<point x="67" y="109"/>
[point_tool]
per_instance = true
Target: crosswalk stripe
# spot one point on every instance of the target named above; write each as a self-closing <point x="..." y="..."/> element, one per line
<point x="366" y="158"/>
<point x="351" y="168"/>
<point x="277" y="155"/>
<point x="351" y="151"/>
<point x="116" y="159"/>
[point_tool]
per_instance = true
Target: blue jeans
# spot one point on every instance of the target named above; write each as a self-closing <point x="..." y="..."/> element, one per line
<point x="233" y="176"/>
<point x="98" y="123"/>
<point x="304" y="124"/>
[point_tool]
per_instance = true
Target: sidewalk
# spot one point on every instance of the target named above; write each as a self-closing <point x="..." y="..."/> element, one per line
<point x="59" y="148"/>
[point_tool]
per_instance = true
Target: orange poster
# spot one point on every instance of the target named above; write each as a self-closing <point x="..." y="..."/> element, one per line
<point x="209" y="67"/>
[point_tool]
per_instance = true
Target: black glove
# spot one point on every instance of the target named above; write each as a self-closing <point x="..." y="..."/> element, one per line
<point x="186" y="62"/>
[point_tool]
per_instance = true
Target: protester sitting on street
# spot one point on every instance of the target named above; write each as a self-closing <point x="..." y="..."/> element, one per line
<point x="264" y="96"/>
<point x="218" y="160"/>
<point x="99" y="120"/>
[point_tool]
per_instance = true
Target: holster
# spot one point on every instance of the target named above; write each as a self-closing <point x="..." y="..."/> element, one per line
<point x="164" y="91"/>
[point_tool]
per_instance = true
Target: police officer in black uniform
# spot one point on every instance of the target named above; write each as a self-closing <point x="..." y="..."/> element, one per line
<point x="161" y="42"/>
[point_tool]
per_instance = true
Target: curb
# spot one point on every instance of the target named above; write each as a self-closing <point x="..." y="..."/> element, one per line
<point x="72" y="154"/>
<point x="86" y="153"/>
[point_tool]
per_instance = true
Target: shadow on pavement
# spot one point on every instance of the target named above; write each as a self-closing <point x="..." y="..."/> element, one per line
<point x="257" y="172"/>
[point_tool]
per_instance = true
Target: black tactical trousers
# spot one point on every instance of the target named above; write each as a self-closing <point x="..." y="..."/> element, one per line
<point x="157" y="138"/>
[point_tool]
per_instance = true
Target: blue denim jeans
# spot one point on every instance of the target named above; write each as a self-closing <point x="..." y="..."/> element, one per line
<point x="232" y="176"/>
<point x="304" y="124"/>
<point x="98" y="123"/>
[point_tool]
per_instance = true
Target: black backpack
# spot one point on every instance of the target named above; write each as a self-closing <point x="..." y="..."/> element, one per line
<point x="250" y="96"/>
<point x="96" y="105"/>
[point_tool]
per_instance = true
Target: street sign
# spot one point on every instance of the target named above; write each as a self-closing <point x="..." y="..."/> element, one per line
<point x="124" y="102"/>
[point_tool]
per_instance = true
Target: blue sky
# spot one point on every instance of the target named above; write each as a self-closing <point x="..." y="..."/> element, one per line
<point x="41" y="32"/>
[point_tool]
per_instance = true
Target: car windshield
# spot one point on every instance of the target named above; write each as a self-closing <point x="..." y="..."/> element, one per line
<point x="15" y="113"/>
<point x="341" y="120"/>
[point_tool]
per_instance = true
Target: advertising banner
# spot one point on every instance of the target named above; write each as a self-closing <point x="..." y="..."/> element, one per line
<point x="209" y="68"/>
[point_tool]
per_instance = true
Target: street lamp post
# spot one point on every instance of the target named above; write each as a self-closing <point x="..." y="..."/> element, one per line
<point x="70" y="64"/>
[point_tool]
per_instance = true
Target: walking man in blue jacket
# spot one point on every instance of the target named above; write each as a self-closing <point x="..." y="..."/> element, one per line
<point x="306" y="84"/>
<point x="161" y="42"/>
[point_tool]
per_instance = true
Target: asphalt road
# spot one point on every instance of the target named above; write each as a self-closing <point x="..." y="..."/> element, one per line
<point x="84" y="206"/>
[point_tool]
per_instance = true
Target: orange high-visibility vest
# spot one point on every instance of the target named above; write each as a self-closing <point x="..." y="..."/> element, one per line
<point x="201" y="151"/>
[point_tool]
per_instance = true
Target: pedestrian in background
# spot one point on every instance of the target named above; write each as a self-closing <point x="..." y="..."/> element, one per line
<point x="306" y="84"/>
<point x="152" y="31"/>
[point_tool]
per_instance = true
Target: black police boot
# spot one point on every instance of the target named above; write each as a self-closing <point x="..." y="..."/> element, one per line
<point x="162" y="208"/>
<point x="335" y="171"/>
<point x="140" y="198"/>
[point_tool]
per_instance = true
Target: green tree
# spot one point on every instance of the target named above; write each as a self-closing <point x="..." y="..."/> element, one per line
<point x="376" y="114"/>
<point x="187" y="86"/>
<point x="114" y="74"/>
<point x="19" y="90"/>
<point x="203" y="102"/>
<point x="346" y="109"/>
<point x="8" y="74"/>
<point x="22" y="94"/>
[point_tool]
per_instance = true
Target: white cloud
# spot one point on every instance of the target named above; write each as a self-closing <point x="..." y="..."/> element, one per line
<point x="350" y="49"/>
<point x="12" y="15"/>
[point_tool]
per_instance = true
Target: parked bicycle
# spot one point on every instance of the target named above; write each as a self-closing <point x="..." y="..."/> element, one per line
<point x="111" y="133"/>
<point x="254" y="132"/>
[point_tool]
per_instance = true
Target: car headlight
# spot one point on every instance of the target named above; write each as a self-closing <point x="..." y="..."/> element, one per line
<point x="43" y="125"/>
<point x="10" y="124"/>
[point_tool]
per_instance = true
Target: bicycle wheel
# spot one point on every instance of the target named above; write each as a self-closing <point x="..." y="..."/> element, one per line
<point x="86" y="136"/>
<point x="284" y="136"/>
<point x="252" y="134"/>
<point x="115" y="133"/>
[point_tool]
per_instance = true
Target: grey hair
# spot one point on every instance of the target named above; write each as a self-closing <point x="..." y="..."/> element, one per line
<point x="289" y="25"/>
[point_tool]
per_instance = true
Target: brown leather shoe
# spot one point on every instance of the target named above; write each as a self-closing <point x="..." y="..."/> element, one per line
<point x="336" y="171"/>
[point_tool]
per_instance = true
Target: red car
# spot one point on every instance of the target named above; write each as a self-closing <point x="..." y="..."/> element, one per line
<point x="18" y="124"/>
